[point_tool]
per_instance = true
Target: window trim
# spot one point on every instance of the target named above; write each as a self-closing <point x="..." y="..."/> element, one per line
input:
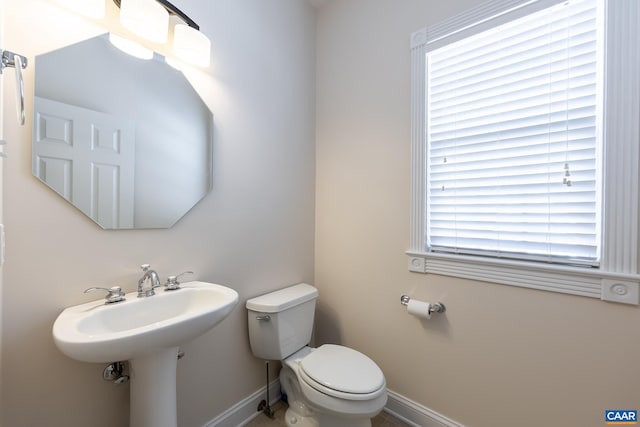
<point x="617" y="278"/>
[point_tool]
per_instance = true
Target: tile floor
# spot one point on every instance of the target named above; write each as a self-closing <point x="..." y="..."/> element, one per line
<point x="382" y="420"/>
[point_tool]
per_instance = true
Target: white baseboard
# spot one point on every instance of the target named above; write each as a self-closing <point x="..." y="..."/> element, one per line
<point x="247" y="409"/>
<point x="399" y="406"/>
<point x="414" y="413"/>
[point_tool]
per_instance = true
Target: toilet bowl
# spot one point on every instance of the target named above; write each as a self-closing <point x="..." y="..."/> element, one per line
<point x="334" y="384"/>
<point x="328" y="386"/>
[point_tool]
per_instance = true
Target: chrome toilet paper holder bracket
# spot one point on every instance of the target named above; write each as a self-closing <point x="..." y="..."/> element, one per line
<point x="436" y="307"/>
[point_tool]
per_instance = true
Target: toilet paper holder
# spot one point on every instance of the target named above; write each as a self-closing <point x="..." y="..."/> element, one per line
<point x="436" y="307"/>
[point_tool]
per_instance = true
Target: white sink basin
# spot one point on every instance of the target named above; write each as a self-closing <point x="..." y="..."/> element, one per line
<point x="98" y="332"/>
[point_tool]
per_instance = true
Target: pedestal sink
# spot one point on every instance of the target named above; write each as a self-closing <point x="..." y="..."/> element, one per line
<point x="147" y="333"/>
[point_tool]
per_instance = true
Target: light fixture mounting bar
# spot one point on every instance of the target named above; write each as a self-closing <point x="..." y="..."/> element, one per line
<point x="174" y="11"/>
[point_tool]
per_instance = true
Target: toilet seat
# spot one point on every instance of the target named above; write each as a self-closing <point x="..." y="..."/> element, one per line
<point x="342" y="372"/>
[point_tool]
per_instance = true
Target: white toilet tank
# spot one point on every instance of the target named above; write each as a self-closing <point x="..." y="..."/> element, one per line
<point x="281" y="322"/>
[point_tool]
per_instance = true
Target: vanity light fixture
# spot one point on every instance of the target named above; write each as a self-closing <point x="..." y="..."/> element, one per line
<point x="149" y="19"/>
<point x="191" y="46"/>
<point x="145" y="18"/>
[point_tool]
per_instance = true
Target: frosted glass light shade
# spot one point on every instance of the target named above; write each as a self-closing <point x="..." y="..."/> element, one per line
<point x="145" y="18"/>
<point x="191" y="46"/>
<point x="130" y="47"/>
<point x="91" y="8"/>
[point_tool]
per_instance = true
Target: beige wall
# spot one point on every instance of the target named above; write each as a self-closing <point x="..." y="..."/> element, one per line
<point x="501" y="356"/>
<point x="253" y="232"/>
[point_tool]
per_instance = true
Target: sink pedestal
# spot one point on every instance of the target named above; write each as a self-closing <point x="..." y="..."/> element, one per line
<point x="153" y="389"/>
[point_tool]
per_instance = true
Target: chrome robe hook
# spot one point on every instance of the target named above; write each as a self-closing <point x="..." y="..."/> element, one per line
<point x="19" y="62"/>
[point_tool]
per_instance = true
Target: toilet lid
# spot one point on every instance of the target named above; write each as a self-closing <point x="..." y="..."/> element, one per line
<point x="343" y="369"/>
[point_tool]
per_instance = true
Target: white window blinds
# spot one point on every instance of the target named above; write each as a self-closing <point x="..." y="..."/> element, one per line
<point x="513" y="129"/>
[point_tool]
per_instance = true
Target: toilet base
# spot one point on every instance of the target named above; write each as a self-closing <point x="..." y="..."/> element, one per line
<point x="293" y="418"/>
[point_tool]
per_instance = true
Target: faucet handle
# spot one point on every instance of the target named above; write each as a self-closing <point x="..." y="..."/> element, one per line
<point x="114" y="294"/>
<point x="145" y="267"/>
<point x="172" y="281"/>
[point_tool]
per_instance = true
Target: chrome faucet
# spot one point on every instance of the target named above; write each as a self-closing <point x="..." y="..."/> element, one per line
<point x="152" y="277"/>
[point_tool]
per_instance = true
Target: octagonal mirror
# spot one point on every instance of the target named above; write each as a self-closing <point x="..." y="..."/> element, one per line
<point x="126" y="141"/>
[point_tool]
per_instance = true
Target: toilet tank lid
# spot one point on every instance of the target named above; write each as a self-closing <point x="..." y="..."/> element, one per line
<point x="283" y="299"/>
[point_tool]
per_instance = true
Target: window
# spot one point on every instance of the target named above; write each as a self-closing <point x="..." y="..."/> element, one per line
<point x="517" y="158"/>
<point x="513" y="137"/>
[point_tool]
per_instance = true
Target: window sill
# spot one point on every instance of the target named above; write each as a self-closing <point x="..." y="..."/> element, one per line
<point x="588" y="282"/>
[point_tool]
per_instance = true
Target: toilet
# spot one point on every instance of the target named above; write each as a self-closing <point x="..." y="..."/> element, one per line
<point x="328" y="386"/>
